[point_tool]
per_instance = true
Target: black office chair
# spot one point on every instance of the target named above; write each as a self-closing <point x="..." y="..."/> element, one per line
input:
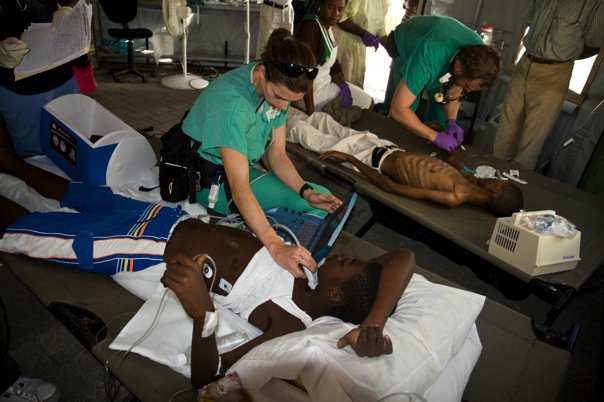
<point x="123" y="12"/>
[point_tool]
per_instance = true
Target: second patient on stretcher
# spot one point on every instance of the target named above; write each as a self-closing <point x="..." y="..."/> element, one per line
<point x="410" y="174"/>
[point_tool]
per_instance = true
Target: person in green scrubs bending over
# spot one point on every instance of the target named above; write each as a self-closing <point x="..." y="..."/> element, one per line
<point x="446" y="59"/>
<point x="239" y="120"/>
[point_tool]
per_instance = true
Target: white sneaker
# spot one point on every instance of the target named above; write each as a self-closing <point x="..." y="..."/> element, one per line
<point x="30" y="389"/>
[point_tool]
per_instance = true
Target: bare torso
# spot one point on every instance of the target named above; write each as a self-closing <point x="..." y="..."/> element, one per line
<point x="422" y="171"/>
<point x="231" y="249"/>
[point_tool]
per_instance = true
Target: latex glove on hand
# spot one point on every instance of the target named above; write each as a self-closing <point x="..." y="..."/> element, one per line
<point x="346" y="95"/>
<point x="370" y="39"/>
<point x="12" y="51"/>
<point x="445" y="141"/>
<point x="456" y="131"/>
<point x="58" y="15"/>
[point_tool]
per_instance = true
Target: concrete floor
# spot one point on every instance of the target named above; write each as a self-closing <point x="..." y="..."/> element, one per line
<point x="45" y="349"/>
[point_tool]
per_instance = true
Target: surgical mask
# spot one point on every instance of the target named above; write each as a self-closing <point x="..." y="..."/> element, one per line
<point x="267" y="112"/>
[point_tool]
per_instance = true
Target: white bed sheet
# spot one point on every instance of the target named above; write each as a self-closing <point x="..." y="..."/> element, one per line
<point x="449" y="386"/>
<point x="428" y="329"/>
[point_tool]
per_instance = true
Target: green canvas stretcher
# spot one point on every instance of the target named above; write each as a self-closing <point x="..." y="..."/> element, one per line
<point x="470" y="227"/>
<point x="514" y="365"/>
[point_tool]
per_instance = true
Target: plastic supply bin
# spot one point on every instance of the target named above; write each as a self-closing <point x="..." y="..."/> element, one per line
<point x="92" y="145"/>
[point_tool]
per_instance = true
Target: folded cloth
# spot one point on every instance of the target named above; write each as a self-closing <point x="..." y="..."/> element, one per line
<point x="344" y="116"/>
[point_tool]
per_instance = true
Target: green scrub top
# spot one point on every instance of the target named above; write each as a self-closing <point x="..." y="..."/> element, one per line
<point x="229" y="113"/>
<point x="426" y="46"/>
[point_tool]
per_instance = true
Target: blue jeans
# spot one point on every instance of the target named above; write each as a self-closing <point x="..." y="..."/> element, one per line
<point x="22" y="114"/>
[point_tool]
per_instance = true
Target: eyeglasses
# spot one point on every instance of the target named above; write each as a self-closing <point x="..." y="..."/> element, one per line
<point x="295" y="70"/>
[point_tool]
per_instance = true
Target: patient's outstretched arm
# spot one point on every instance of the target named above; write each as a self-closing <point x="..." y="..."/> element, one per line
<point x="44" y="182"/>
<point x="454" y="160"/>
<point x="368" y="339"/>
<point x="184" y="276"/>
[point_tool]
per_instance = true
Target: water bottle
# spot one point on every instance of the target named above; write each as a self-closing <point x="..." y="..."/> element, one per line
<point x="486" y="33"/>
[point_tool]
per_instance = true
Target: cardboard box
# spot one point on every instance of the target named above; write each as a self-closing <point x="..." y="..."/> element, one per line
<point x="92" y="145"/>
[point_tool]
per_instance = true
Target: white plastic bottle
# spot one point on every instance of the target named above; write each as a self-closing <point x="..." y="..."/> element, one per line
<point x="486" y="33"/>
<point x="213" y="195"/>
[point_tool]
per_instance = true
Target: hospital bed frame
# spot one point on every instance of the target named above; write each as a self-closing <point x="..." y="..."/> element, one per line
<point x="514" y="364"/>
<point x="469" y="227"/>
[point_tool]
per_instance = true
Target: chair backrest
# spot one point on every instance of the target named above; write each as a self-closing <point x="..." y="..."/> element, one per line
<point x="120" y="11"/>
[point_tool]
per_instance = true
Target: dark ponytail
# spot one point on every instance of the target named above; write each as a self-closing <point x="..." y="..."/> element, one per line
<point x="283" y="48"/>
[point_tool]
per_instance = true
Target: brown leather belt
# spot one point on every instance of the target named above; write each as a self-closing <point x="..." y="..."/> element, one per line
<point x="279" y="6"/>
<point x="540" y="60"/>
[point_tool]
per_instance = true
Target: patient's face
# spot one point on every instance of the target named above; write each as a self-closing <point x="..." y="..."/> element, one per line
<point x="493" y="185"/>
<point x="338" y="269"/>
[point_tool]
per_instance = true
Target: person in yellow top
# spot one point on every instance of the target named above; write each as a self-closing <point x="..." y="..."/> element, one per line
<point x="361" y="26"/>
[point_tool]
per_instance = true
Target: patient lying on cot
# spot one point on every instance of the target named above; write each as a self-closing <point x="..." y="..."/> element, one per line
<point x="410" y="174"/>
<point x="362" y="292"/>
<point x="424" y="177"/>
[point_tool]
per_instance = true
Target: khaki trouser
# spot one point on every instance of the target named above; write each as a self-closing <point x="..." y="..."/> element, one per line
<point x="532" y="104"/>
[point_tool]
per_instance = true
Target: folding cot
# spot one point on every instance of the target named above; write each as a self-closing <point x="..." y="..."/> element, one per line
<point x="514" y="365"/>
<point x="469" y="227"/>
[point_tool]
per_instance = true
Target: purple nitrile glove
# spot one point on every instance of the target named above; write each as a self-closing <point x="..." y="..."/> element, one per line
<point x="370" y="39"/>
<point x="456" y="131"/>
<point x="445" y="141"/>
<point x="346" y="95"/>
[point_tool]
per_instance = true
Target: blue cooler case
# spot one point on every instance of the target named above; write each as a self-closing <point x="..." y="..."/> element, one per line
<point x="90" y="144"/>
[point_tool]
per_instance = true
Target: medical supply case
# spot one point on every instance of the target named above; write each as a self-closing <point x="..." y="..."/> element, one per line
<point x="91" y="144"/>
<point x="534" y="253"/>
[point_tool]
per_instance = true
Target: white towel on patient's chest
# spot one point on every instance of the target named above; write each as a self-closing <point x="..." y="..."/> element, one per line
<point x="262" y="280"/>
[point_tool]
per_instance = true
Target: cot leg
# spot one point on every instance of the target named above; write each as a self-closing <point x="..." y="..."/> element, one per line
<point x="366" y="226"/>
<point x="564" y="340"/>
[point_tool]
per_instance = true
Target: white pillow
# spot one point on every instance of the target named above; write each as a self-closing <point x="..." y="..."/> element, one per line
<point x="161" y="329"/>
<point x="449" y="387"/>
<point x="430" y="325"/>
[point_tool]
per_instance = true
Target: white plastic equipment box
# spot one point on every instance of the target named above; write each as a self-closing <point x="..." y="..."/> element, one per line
<point x="533" y="253"/>
<point x="91" y="144"/>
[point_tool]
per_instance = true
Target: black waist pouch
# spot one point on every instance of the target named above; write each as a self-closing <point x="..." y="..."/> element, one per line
<point x="182" y="171"/>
